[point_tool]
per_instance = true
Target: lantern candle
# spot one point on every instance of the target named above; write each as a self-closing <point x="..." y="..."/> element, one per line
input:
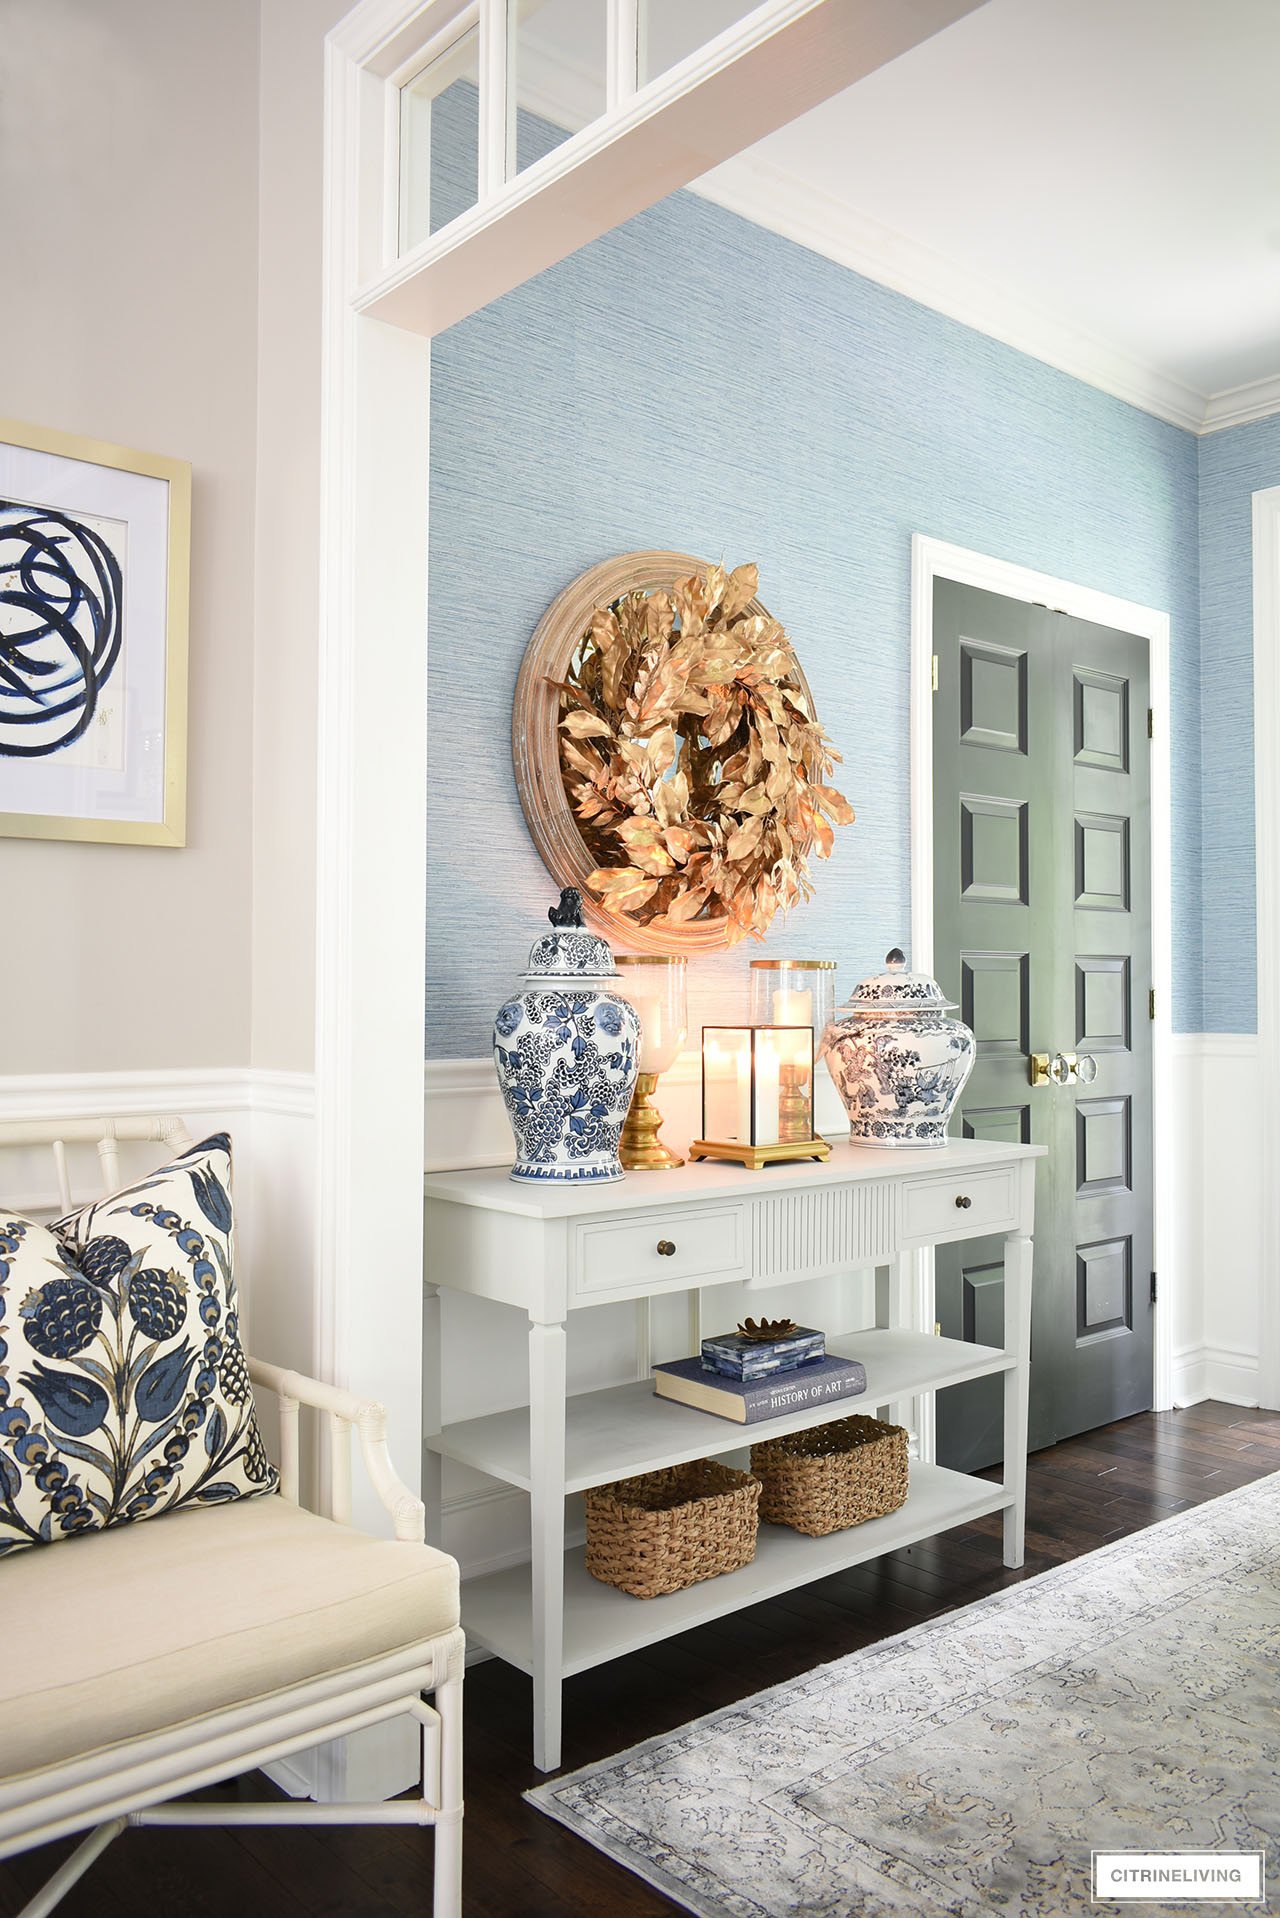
<point x="757" y="1095"/>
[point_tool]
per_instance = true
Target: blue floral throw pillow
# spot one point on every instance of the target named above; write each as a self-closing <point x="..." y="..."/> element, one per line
<point x="124" y="1391"/>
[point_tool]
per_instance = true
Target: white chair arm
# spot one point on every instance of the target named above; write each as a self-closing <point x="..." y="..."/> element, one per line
<point x="342" y="1410"/>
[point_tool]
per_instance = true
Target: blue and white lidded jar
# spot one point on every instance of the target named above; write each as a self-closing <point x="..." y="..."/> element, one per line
<point x="898" y="1062"/>
<point x="566" y="1048"/>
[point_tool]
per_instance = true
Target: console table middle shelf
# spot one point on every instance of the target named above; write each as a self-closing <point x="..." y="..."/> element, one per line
<point x="551" y="1251"/>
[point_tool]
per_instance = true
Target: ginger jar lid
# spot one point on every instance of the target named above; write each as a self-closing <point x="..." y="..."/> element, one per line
<point x="897" y="989"/>
<point x="569" y="951"/>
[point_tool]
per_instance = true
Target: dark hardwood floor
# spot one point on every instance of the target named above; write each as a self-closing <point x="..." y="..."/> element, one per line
<point x="520" y="1864"/>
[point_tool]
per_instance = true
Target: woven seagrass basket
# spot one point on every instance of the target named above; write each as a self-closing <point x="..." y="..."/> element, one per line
<point x="832" y="1476"/>
<point x="668" y="1529"/>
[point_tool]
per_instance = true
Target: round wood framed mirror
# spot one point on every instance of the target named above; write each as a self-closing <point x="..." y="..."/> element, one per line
<point x="685" y="851"/>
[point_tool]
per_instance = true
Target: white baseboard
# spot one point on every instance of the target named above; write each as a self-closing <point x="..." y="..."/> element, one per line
<point x="1214" y="1372"/>
<point x="1218" y="1094"/>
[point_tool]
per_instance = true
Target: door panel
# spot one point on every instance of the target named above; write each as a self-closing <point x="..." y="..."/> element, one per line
<point x="1042" y="935"/>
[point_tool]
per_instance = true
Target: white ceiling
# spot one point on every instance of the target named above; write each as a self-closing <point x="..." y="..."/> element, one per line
<point x="1115" y="161"/>
<point x="1097" y="181"/>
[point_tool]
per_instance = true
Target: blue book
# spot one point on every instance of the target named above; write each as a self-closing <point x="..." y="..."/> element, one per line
<point x="750" y="1401"/>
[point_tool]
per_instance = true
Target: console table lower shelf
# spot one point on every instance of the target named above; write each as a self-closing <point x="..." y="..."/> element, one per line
<point x="601" y="1623"/>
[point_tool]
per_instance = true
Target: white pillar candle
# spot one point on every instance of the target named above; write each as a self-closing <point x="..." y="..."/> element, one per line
<point x="792" y="1008"/>
<point x="767" y="1089"/>
<point x="661" y="1031"/>
<point x="744" y="1095"/>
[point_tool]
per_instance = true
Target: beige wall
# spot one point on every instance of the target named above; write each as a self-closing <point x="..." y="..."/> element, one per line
<point x="128" y="168"/>
<point x="162" y="289"/>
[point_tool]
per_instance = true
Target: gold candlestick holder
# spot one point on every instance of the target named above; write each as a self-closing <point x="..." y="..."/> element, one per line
<point x="640" y="1149"/>
<point x="795" y="1106"/>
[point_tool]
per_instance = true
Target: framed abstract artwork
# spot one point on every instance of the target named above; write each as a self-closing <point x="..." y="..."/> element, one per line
<point x="94" y="566"/>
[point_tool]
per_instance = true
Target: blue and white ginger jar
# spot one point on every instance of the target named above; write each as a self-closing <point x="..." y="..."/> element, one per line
<point x="566" y="1050"/>
<point x="898" y="1062"/>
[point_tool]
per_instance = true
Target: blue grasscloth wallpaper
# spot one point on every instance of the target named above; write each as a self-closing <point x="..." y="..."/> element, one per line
<point x="693" y="381"/>
<point x="1233" y="466"/>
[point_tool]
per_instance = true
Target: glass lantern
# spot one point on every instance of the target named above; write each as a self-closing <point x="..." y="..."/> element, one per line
<point x="793" y="992"/>
<point x="757" y="1095"/>
<point x="656" y="985"/>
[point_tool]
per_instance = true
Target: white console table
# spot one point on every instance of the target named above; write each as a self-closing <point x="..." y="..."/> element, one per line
<point x="554" y="1250"/>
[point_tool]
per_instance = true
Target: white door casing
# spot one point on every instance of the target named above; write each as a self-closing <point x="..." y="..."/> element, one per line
<point x="372" y="727"/>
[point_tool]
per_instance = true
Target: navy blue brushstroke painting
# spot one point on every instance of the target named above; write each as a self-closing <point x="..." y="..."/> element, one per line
<point x="60" y="628"/>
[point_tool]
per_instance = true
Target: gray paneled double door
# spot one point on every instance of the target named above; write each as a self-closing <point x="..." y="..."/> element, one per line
<point x="1042" y="916"/>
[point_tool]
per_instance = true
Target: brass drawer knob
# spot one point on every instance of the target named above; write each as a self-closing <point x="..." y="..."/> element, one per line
<point x="665" y="1248"/>
<point x="963" y="1201"/>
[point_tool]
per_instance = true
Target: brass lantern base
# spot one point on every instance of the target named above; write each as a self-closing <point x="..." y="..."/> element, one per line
<point x="754" y="1157"/>
<point x="640" y="1149"/>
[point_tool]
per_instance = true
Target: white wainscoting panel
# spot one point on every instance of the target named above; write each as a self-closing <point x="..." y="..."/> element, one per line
<point x="1217" y="1325"/>
<point x="270" y="1117"/>
<point x="466" y="1121"/>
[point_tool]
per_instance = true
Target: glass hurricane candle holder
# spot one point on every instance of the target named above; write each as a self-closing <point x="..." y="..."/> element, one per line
<point x="656" y="985"/>
<point x="757" y="1095"/>
<point x="793" y="992"/>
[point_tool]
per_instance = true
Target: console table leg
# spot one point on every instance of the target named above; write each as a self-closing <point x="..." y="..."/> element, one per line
<point x="546" y="1477"/>
<point x="893" y="1314"/>
<point x="1017" y="1340"/>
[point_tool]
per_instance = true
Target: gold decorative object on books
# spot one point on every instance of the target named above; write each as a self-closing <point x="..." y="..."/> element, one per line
<point x="668" y="756"/>
<point x="767" y="1330"/>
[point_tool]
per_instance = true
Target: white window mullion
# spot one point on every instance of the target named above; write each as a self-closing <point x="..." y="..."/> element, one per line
<point x="496" y="103"/>
<point x="623" y="77"/>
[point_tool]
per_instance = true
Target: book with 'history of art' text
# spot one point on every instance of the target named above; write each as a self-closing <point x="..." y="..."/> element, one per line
<point x="750" y="1401"/>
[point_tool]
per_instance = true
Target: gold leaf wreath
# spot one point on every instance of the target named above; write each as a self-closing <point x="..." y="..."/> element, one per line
<point x="694" y="766"/>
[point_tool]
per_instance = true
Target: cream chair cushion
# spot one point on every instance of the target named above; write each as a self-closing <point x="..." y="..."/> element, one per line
<point x="130" y="1631"/>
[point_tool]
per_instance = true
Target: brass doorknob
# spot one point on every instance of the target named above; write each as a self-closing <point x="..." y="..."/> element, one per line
<point x="1063" y="1069"/>
<point x="665" y="1248"/>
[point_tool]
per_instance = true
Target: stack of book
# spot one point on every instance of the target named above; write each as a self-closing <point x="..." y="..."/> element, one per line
<point x="750" y="1379"/>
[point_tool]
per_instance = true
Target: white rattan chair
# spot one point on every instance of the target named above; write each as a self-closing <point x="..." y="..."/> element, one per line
<point x="391" y="1604"/>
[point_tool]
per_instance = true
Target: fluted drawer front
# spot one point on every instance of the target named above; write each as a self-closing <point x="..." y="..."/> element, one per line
<point x="796" y="1234"/>
<point x="954" y="1207"/>
<point x="659" y="1251"/>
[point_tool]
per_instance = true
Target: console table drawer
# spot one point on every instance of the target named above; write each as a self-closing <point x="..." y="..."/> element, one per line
<point x="958" y="1206"/>
<point x="613" y="1258"/>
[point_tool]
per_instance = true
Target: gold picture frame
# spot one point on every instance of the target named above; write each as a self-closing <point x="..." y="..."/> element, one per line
<point x="95" y="558"/>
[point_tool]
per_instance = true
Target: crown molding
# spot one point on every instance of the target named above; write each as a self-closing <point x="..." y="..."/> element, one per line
<point x="772" y="197"/>
<point x="1240" y="404"/>
<point x="789" y="206"/>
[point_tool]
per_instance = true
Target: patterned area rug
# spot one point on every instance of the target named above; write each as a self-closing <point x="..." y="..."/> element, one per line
<point x="968" y="1767"/>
